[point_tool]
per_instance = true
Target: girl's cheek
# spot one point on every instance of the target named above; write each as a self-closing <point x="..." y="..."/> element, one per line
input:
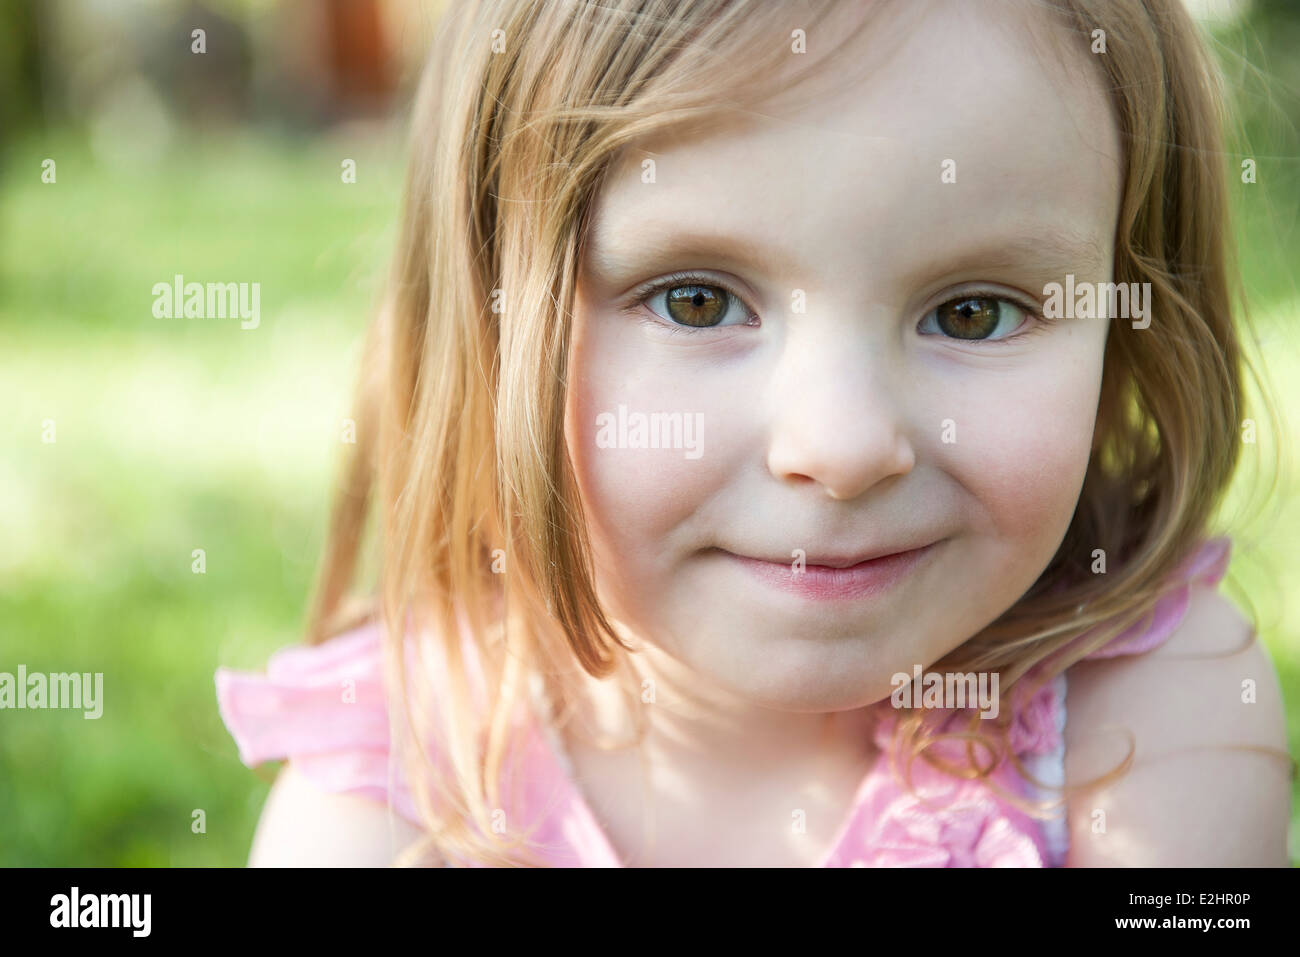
<point x="650" y="442"/>
<point x="1022" y="449"/>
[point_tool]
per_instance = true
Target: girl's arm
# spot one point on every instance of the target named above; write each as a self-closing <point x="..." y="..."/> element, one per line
<point x="1196" y="794"/>
<point x="305" y="826"/>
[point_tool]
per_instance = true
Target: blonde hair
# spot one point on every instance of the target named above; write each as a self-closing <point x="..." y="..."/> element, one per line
<point x="461" y="440"/>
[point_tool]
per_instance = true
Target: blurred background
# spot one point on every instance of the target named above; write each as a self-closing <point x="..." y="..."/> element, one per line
<point x="263" y="141"/>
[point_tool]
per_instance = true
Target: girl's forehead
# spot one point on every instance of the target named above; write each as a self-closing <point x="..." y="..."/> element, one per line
<point x="963" y="124"/>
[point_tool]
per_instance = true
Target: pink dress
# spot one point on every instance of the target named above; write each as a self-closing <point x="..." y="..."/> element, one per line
<point x="296" y="711"/>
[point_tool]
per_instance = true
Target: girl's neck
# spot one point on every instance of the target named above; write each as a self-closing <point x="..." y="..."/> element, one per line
<point x="688" y="713"/>
<point x="712" y="764"/>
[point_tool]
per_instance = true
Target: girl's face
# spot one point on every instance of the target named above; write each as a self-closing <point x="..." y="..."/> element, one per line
<point x="853" y="357"/>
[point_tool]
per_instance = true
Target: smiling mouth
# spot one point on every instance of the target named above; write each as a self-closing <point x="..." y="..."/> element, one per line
<point x="846" y="580"/>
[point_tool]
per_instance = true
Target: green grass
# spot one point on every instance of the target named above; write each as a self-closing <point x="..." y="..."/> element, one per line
<point x="174" y="435"/>
<point x="171" y="435"/>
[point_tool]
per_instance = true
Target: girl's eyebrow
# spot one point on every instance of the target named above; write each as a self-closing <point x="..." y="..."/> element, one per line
<point x="656" y="245"/>
<point x="1045" y="247"/>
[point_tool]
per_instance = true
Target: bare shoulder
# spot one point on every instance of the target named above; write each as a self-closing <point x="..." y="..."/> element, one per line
<point x="1210" y="782"/>
<point x="304" y="826"/>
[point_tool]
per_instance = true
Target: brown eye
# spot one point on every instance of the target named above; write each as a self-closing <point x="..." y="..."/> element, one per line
<point x="973" y="318"/>
<point x="696" y="305"/>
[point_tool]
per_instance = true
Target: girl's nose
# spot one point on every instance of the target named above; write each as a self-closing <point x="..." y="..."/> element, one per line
<point x="836" y="421"/>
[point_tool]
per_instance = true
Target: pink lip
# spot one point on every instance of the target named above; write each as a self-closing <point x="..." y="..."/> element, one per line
<point x="823" y="583"/>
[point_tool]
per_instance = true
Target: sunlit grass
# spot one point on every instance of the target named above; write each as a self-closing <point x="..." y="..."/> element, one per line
<point x="171" y="435"/>
<point x="1261" y="513"/>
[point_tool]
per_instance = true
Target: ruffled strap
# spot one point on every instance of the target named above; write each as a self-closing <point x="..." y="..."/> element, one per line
<point x="323" y="708"/>
<point x="941" y="820"/>
<point x="1033" y="728"/>
<point x="1206" y="566"/>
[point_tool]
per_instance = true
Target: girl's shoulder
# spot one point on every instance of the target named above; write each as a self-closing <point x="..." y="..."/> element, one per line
<point x="328" y="710"/>
<point x="302" y="825"/>
<point x="1204" y="568"/>
<point x="1202" y="716"/>
<point x="1045" y="723"/>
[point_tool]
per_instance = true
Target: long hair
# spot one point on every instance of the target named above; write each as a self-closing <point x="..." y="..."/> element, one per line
<point x="461" y="458"/>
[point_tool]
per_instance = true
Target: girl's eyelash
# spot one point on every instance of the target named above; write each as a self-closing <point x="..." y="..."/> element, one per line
<point x="641" y="295"/>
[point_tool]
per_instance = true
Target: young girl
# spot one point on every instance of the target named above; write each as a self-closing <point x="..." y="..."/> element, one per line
<point x="775" y="410"/>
